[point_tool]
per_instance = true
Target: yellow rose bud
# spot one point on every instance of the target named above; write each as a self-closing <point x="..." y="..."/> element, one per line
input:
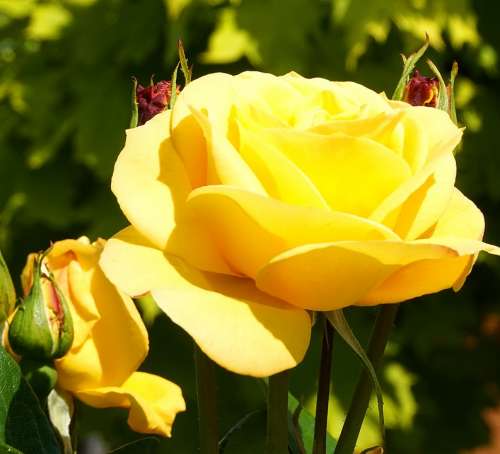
<point x="259" y="198"/>
<point x="41" y="328"/>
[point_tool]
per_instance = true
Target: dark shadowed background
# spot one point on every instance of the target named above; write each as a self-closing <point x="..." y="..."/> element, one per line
<point x="65" y="80"/>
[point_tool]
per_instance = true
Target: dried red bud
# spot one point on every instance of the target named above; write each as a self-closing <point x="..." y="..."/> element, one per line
<point x="421" y="90"/>
<point x="152" y="100"/>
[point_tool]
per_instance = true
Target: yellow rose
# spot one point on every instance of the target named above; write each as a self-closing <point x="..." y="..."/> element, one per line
<point x="258" y="198"/>
<point x="110" y="342"/>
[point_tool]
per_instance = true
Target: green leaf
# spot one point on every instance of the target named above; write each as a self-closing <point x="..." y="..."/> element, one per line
<point x="339" y="322"/>
<point x="409" y="65"/>
<point x="301" y="429"/>
<point x="442" y="101"/>
<point x="23" y="424"/>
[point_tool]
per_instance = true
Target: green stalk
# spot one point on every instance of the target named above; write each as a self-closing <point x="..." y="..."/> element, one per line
<point x="277" y="414"/>
<point x="323" y="396"/>
<point x="207" y="403"/>
<point x="361" y="398"/>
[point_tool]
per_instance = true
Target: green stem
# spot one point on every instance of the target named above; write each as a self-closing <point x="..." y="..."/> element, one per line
<point x="277" y="414"/>
<point x="323" y="396"/>
<point x="207" y="403"/>
<point x="361" y="398"/>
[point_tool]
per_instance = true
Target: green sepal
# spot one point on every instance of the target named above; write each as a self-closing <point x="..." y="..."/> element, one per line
<point x="173" y="85"/>
<point x="442" y="100"/>
<point x="339" y="322"/>
<point x="451" y="93"/>
<point x="134" y="117"/>
<point x="31" y="334"/>
<point x="67" y="332"/>
<point x="409" y="64"/>
<point x="186" y="70"/>
<point x="7" y="292"/>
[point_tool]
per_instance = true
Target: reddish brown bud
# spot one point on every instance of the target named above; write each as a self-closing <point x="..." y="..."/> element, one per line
<point x="152" y="100"/>
<point x="421" y="90"/>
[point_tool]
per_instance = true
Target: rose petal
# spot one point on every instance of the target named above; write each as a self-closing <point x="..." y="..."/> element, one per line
<point x="117" y="342"/>
<point x="151" y="186"/>
<point x="353" y="174"/>
<point x="442" y="134"/>
<point x="281" y="178"/>
<point x="460" y="228"/>
<point x="153" y="402"/>
<point x="335" y="275"/>
<point x="250" y="229"/>
<point x="149" y="180"/>
<point x="419" y="202"/>
<point x="236" y="325"/>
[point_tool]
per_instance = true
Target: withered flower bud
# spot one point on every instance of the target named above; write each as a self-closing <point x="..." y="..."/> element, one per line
<point x="152" y="100"/>
<point x="421" y="90"/>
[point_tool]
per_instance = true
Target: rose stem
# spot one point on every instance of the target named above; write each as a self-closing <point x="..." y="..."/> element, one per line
<point x="323" y="396"/>
<point x="207" y="406"/>
<point x="359" y="404"/>
<point x="277" y="414"/>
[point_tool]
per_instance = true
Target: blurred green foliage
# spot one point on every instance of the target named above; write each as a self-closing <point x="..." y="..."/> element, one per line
<point x="65" y="72"/>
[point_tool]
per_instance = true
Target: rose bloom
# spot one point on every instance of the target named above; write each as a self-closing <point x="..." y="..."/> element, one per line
<point x="259" y="198"/>
<point x="110" y="341"/>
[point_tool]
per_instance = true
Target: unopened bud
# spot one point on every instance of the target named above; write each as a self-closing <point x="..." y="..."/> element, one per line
<point x="152" y="100"/>
<point x="421" y="90"/>
<point x="42" y="328"/>
<point x="7" y="293"/>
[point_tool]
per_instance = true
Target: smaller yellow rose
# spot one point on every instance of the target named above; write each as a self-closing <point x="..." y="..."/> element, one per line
<point x="110" y="341"/>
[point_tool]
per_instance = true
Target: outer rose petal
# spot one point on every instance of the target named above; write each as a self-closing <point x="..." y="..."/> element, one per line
<point x="250" y="229"/>
<point x="331" y="276"/>
<point x="149" y="180"/>
<point x="153" y="402"/>
<point x="460" y="228"/>
<point x="151" y="186"/>
<point x="419" y="202"/>
<point x="116" y="343"/>
<point x="442" y="134"/>
<point x="236" y="325"/>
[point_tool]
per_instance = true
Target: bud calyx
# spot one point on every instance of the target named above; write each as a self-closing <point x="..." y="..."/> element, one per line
<point x="42" y="327"/>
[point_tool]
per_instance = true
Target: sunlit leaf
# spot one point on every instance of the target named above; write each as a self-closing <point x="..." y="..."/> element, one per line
<point x="339" y="322"/>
